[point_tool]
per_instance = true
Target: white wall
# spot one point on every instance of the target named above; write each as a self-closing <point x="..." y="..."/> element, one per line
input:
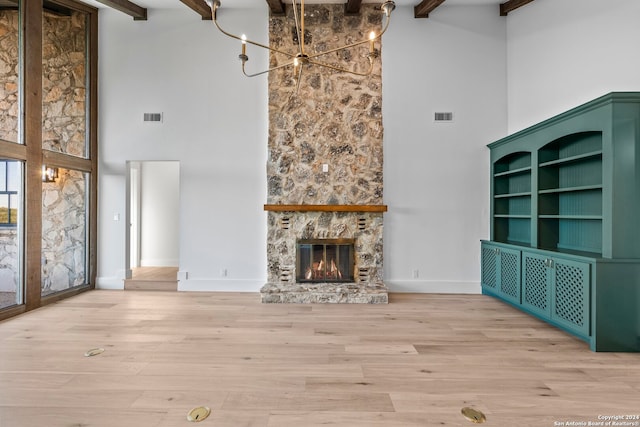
<point x="160" y="202"/>
<point x="215" y="124"/>
<point x="563" y="53"/>
<point x="436" y="174"/>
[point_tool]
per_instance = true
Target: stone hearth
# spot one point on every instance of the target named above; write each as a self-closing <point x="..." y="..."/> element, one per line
<point x="351" y="293"/>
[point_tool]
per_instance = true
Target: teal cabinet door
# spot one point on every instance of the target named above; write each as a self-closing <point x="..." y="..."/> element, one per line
<point x="489" y="268"/>
<point x="570" y="297"/>
<point x="501" y="272"/>
<point x="536" y="284"/>
<point x="510" y="275"/>
<point x="558" y="290"/>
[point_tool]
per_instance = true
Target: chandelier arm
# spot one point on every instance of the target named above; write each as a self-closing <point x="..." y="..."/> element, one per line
<point x="349" y="46"/>
<point x="344" y="70"/>
<point x="295" y="17"/>
<point x="301" y="36"/>
<point x="214" y="9"/>
<point x="265" y="71"/>
<point x="299" y="78"/>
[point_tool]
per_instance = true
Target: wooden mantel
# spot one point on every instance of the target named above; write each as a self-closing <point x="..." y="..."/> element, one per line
<point x="326" y="208"/>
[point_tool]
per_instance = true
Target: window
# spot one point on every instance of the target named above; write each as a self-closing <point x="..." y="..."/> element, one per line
<point x="10" y="183"/>
<point x="10" y="234"/>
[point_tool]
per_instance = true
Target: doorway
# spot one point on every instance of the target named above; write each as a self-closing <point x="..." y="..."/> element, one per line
<point x="152" y="241"/>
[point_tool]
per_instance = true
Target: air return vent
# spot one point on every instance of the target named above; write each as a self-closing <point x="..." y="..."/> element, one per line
<point x="443" y="116"/>
<point x="153" y="117"/>
<point x="362" y="223"/>
<point x="285" y="223"/>
<point x="286" y="274"/>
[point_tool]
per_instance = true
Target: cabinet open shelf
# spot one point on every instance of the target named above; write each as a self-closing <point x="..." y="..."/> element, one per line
<point x="586" y="217"/>
<point x="507" y="195"/>
<point x="512" y="198"/>
<point x="513" y="172"/>
<point x="576" y="158"/>
<point x="568" y="189"/>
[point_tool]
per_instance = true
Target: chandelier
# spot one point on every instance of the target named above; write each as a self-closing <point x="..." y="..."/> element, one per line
<point x="301" y="58"/>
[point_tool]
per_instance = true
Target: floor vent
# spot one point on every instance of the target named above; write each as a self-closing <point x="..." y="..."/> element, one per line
<point x="153" y="117"/>
<point x="443" y="116"/>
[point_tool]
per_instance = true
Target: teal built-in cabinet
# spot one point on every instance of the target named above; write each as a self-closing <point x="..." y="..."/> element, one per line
<point x="565" y="222"/>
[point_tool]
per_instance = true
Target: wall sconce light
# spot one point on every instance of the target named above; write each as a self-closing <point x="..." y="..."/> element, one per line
<point x="49" y="174"/>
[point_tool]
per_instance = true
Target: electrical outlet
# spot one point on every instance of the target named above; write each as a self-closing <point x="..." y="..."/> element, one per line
<point x="223" y="272"/>
<point x="415" y="273"/>
<point x="325" y="168"/>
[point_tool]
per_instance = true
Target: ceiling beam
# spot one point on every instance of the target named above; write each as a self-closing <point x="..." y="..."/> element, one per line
<point x="200" y="7"/>
<point x="276" y="7"/>
<point x="138" y="13"/>
<point x="511" y="5"/>
<point x="352" y="7"/>
<point x="425" y="8"/>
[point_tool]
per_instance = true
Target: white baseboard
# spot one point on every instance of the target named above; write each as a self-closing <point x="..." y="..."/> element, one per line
<point x="159" y="262"/>
<point x="433" y="286"/>
<point x="110" y="283"/>
<point x="226" y="285"/>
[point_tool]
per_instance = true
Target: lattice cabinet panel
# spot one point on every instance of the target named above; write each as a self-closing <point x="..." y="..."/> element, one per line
<point x="571" y="295"/>
<point x="510" y="274"/>
<point x="536" y="284"/>
<point x="489" y="267"/>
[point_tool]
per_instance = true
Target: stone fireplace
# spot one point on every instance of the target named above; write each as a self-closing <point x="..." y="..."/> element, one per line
<point x="324" y="167"/>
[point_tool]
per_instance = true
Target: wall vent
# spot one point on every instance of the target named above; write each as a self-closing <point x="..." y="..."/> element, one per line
<point x="363" y="275"/>
<point x="286" y="274"/>
<point x="362" y="223"/>
<point x="443" y="116"/>
<point x="153" y="117"/>
<point x="285" y="223"/>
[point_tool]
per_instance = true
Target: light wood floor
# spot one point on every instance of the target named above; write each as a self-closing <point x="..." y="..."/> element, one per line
<point x="414" y="362"/>
<point x="152" y="279"/>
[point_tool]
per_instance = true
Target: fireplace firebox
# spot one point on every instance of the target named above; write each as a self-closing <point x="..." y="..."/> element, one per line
<point x="325" y="260"/>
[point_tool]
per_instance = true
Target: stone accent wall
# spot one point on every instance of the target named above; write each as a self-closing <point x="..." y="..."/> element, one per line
<point x="64" y="83"/>
<point x="9" y="75"/>
<point x="336" y="119"/>
<point x="9" y="259"/>
<point x="63" y="230"/>
<point x="64" y="130"/>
